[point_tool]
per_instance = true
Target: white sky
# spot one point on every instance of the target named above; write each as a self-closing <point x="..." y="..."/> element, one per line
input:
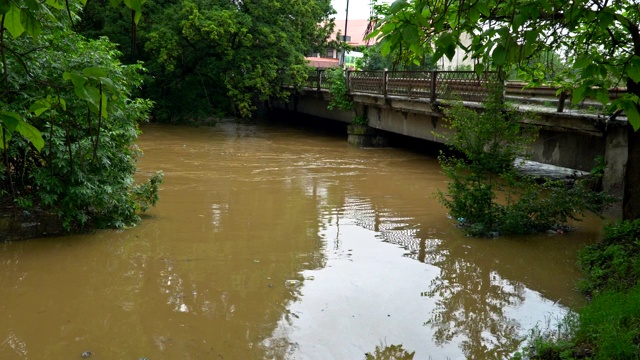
<point x="358" y="9"/>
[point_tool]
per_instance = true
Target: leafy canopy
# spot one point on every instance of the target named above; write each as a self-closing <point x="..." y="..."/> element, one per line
<point x="600" y="39"/>
<point x="218" y="56"/>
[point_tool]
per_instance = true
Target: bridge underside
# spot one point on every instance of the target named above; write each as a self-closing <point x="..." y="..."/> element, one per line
<point x="569" y="140"/>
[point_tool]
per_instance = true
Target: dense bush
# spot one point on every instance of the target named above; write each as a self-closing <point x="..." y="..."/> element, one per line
<point x="78" y="160"/>
<point x="340" y="98"/>
<point x="219" y="57"/>
<point x="614" y="263"/>
<point x="486" y="194"/>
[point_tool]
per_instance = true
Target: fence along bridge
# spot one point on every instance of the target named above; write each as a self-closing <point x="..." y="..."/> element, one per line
<point x="444" y="85"/>
<point x="410" y="103"/>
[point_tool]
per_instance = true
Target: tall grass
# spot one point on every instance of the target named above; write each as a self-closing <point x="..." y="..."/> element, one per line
<point x="611" y="322"/>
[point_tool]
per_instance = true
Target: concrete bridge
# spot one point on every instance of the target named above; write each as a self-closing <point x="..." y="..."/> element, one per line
<point x="411" y="104"/>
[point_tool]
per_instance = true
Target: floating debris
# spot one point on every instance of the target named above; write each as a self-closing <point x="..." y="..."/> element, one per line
<point x="292" y="283"/>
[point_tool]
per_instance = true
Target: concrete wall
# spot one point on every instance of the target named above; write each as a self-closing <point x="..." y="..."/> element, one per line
<point x="315" y="104"/>
<point x="572" y="150"/>
<point x="421" y="126"/>
<point x="616" y="155"/>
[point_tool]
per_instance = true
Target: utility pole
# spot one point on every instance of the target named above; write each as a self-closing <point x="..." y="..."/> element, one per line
<point x="344" y="37"/>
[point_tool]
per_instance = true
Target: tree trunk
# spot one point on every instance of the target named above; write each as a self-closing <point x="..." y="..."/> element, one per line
<point x="631" y="200"/>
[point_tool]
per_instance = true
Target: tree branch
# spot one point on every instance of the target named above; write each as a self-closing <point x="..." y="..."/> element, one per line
<point x="5" y="76"/>
<point x="25" y="67"/>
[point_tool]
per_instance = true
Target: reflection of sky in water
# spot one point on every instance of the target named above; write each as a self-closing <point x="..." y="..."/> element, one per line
<point x="373" y="292"/>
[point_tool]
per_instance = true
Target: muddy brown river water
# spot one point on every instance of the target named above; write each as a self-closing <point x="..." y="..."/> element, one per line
<point x="277" y="242"/>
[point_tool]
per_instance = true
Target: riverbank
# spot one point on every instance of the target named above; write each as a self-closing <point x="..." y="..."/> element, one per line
<point x="19" y="224"/>
<point x="608" y="327"/>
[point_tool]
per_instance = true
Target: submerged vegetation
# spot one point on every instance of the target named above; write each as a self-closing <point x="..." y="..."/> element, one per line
<point x="486" y="194"/>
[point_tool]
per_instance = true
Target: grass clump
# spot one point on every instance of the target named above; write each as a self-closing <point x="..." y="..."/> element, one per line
<point x="611" y="322"/>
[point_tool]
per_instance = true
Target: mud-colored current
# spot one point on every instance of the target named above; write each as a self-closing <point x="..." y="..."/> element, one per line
<point x="276" y="242"/>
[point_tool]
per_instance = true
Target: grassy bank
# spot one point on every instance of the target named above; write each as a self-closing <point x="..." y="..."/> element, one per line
<point x="609" y="326"/>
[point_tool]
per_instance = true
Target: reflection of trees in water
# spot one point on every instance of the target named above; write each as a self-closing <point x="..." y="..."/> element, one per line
<point x="470" y="306"/>
<point x="470" y="297"/>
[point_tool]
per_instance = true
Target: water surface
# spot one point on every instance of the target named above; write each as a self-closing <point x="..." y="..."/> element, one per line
<point x="276" y="242"/>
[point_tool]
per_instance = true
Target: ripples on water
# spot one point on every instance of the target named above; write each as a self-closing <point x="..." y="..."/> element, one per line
<point x="275" y="242"/>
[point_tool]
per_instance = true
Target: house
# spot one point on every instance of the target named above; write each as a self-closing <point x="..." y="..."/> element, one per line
<point x="356" y="30"/>
<point x="459" y="60"/>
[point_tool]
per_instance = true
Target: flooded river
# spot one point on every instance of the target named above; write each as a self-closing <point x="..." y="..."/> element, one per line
<point x="276" y="242"/>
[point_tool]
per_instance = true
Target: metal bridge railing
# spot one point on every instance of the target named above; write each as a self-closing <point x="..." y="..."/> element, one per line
<point x="438" y="85"/>
<point x="433" y="85"/>
<point x="463" y="85"/>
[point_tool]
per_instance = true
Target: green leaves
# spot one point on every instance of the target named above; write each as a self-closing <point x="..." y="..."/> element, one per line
<point x="12" y="21"/>
<point x="31" y="25"/>
<point x="583" y="61"/>
<point x="19" y="19"/>
<point x="92" y="86"/>
<point x="499" y="55"/>
<point x="629" y="103"/>
<point x="445" y="45"/>
<point x="397" y="6"/>
<point x="633" y="68"/>
<point x="39" y="107"/>
<point x="13" y="122"/>
<point x="136" y="6"/>
<point x="340" y="98"/>
<point x="5" y="6"/>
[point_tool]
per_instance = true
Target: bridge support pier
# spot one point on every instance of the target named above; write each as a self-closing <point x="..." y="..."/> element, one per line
<point x="365" y="136"/>
<point x="615" y="158"/>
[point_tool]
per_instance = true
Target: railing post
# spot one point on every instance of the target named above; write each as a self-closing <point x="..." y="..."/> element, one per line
<point x="385" y="77"/>
<point x="563" y="98"/>
<point x="504" y="90"/>
<point x="434" y="79"/>
<point x="319" y="71"/>
<point x="348" y="80"/>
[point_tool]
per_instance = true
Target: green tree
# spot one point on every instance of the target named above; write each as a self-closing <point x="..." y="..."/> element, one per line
<point x="381" y="56"/>
<point x="600" y="40"/>
<point x="373" y="60"/>
<point x="71" y="100"/>
<point x="219" y="57"/>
